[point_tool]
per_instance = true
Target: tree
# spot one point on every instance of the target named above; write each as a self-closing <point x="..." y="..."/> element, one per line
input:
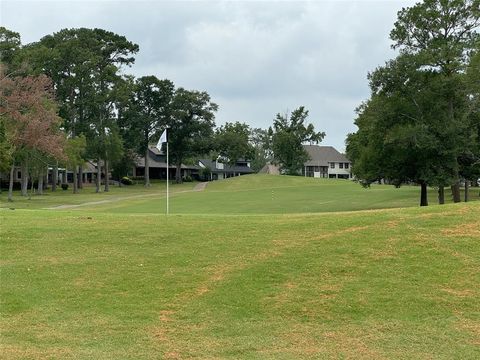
<point x="191" y="126"/>
<point x="232" y="142"/>
<point x="413" y="128"/>
<point x="29" y="120"/>
<point x="441" y="35"/>
<point x="259" y="140"/>
<point x="75" y="153"/>
<point x="84" y="65"/>
<point x="148" y="114"/>
<point x="10" y="43"/>
<point x="288" y="135"/>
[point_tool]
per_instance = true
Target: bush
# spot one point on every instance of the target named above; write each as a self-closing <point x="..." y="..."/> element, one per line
<point x="187" y="179"/>
<point x="126" y="181"/>
<point x="64" y="186"/>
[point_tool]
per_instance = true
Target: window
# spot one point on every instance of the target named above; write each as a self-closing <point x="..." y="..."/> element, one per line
<point x="332" y="165"/>
<point x="346" y="165"/>
<point x="340" y="165"/>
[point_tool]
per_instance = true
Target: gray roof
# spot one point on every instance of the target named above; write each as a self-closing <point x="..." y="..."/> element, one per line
<point x="323" y="155"/>
<point x="226" y="168"/>
<point x="159" y="160"/>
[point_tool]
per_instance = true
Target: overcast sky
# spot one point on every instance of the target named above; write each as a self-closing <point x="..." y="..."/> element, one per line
<point x="255" y="59"/>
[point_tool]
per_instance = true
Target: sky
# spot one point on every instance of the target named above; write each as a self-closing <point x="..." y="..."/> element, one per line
<point x="254" y="58"/>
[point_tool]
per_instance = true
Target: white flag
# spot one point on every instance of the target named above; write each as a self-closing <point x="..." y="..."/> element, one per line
<point x="162" y="139"/>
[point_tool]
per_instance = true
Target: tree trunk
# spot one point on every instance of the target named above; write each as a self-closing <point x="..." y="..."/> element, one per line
<point x="441" y="195"/>
<point x="40" y="183"/>
<point x="32" y="189"/>
<point x="55" y="177"/>
<point x="147" y="169"/>
<point x="423" y="194"/>
<point x="98" y="180"/>
<point x="456" y="192"/>
<point x="75" y="180"/>
<point x="10" y="185"/>
<point x="107" y="178"/>
<point x="178" y="173"/>
<point x="24" y="183"/>
<point x="80" y="177"/>
<point x="466" y="190"/>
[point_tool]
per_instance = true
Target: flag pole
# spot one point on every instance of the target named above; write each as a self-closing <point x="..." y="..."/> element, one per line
<point x="168" y="179"/>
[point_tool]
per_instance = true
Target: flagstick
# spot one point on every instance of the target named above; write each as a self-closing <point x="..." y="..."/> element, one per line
<point x="168" y="179"/>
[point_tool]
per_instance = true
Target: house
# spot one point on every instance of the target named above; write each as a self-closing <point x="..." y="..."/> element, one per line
<point x="89" y="173"/>
<point x="157" y="162"/>
<point x="326" y="162"/>
<point x="219" y="170"/>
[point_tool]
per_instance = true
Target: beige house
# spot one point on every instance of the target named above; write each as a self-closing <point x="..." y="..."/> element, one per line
<point x="326" y="162"/>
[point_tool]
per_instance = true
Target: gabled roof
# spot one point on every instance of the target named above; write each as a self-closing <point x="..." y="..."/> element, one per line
<point x="226" y="168"/>
<point x="159" y="160"/>
<point x="323" y="155"/>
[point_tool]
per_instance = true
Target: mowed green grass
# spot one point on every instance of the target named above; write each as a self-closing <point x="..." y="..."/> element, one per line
<point x="236" y="278"/>
<point x="87" y="196"/>
<point x="375" y="284"/>
<point x="269" y="194"/>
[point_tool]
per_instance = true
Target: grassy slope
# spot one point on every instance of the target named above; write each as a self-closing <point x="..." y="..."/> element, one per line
<point x="392" y="283"/>
<point x="268" y="194"/>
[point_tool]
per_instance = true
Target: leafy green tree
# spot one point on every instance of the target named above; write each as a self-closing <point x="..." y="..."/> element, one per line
<point x="259" y="140"/>
<point x="287" y="136"/>
<point x="232" y="142"/>
<point x="441" y="35"/>
<point x="413" y="128"/>
<point x="84" y="65"/>
<point x="10" y="43"/>
<point x="75" y="152"/>
<point x="190" y="126"/>
<point x="148" y="114"/>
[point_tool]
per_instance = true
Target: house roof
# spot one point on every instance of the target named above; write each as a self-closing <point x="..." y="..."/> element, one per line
<point x="159" y="160"/>
<point x="226" y="168"/>
<point x="323" y="155"/>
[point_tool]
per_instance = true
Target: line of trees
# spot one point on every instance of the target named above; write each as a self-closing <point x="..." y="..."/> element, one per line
<point x="422" y="121"/>
<point x="66" y="99"/>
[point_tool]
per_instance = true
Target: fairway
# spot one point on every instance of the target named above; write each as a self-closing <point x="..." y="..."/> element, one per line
<point x="118" y="280"/>
<point x="252" y="194"/>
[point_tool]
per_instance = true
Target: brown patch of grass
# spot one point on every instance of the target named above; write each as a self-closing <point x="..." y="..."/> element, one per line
<point x="472" y="327"/>
<point x="16" y="352"/>
<point x="463" y="230"/>
<point x="172" y="355"/>
<point x="303" y="341"/>
<point x="351" y="229"/>
<point x="165" y="315"/>
<point x="459" y="293"/>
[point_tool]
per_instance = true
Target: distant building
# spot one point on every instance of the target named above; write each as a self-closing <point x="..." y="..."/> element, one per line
<point x="219" y="170"/>
<point x="326" y="162"/>
<point x="158" y="166"/>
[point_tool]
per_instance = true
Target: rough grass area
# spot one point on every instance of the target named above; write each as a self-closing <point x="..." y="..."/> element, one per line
<point x="372" y="284"/>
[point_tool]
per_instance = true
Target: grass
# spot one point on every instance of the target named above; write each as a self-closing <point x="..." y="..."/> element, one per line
<point x="107" y="284"/>
<point x="251" y="194"/>
<point x="268" y="194"/>
<point x="88" y="195"/>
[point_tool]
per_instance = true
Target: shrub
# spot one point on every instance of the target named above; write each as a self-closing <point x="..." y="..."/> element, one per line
<point x="126" y="181"/>
<point x="64" y="186"/>
<point x="187" y="179"/>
